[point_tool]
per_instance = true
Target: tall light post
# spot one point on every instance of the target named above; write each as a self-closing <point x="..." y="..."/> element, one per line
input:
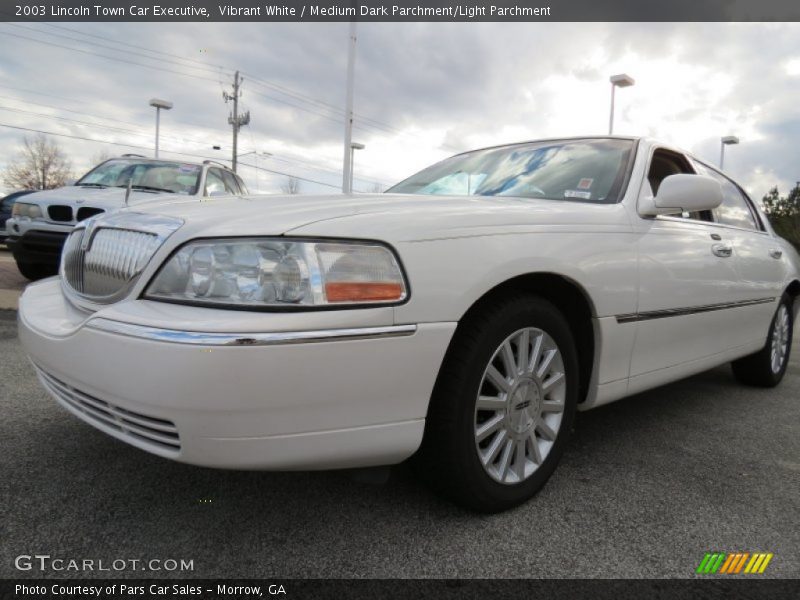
<point x="728" y="140"/>
<point x="347" y="168"/>
<point x="353" y="147"/>
<point x="158" y="105"/>
<point x="621" y="80"/>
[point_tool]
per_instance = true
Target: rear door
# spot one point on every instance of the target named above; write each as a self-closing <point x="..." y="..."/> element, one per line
<point x="757" y="254"/>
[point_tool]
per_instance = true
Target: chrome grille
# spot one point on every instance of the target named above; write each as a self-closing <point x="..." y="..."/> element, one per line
<point x="112" y="260"/>
<point x="103" y="256"/>
<point x="158" y="434"/>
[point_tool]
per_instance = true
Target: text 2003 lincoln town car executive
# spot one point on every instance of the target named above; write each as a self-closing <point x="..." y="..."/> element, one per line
<point x="464" y="316"/>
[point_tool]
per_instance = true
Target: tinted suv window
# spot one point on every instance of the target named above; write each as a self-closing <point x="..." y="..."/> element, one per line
<point x="735" y="209"/>
<point x="230" y="183"/>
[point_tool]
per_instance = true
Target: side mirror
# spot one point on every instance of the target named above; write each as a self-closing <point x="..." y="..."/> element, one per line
<point x="683" y="193"/>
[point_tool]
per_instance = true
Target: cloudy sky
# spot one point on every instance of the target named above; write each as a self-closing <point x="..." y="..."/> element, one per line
<point x="423" y="91"/>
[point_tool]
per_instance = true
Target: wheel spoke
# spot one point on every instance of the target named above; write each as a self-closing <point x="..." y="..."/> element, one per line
<point x="490" y="426"/>
<point x="497" y="379"/>
<point x="505" y="460"/>
<point x="509" y="362"/>
<point x="551" y="406"/>
<point x="551" y="381"/>
<point x="519" y="460"/>
<point x="491" y="403"/>
<point x="546" y="431"/>
<point x="491" y="452"/>
<point x="523" y="350"/>
<point x="536" y="454"/>
<point x="534" y="358"/>
<point x="546" y="362"/>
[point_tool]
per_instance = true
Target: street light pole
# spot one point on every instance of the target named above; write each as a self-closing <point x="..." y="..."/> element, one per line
<point x="726" y="141"/>
<point x="158" y="105"/>
<point x="621" y="80"/>
<point x="353" y="147"/>
<point x="347" y="180"/>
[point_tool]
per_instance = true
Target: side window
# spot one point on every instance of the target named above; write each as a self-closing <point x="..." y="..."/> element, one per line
<point x="665" y="163"/>
<point x="230" y="183"/>
<point x="215" y="186"/>
<point x="735" y="208"/>
<point x="242" y="186"/>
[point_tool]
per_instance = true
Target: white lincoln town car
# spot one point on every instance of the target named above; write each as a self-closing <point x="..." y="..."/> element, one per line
<point x="462" y="317"/>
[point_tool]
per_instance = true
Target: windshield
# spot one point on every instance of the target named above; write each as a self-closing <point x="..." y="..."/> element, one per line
<point x="584" y="170"/>
<point x="148" y="175"/>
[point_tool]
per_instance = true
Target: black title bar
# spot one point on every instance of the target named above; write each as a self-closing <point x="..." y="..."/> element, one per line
<point x="462" y="11"/>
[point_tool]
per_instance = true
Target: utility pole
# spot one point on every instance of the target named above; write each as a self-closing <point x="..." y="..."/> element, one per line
<point x="235" y="119"/>
<point x="347" y="181"/>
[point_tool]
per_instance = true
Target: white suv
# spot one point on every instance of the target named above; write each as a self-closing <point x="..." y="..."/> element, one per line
<point x="40" y="224"/>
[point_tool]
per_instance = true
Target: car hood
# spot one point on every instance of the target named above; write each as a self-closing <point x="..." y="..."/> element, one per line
<point x="105" y="198"/>
<point x="380" y="216"/>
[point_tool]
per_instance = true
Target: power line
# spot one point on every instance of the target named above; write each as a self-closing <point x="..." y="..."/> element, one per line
<point x="140" y="132"/>
<point x="130" y="62"/>
<point x="39" y="31"/>
<point x="100" y="37"/>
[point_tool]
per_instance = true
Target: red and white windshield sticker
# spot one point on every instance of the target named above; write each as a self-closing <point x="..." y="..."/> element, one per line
<point x="585" y="183"/>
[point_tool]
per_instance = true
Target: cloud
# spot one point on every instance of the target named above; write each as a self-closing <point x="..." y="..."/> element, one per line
<point x="426" y="90"/>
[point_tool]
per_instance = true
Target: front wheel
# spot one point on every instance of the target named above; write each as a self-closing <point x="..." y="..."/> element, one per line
<point x="34" y="271"/>
<point x="766" y="367"/>
<point x="503" y="405"/>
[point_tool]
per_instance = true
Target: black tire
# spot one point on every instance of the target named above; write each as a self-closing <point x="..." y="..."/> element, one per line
<point x="758" y="369"/>
<point x="34" y="271"/>
<point x="448" y="457"/>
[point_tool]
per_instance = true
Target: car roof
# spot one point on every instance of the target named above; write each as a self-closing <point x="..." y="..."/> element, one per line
<point x="145" y="159"/>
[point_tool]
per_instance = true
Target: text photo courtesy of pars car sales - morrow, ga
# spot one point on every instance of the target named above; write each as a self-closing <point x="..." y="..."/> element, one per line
<point x="399" y="299"/>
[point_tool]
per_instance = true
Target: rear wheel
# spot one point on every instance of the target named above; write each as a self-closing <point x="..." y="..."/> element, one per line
<point x="503" y="405"/>
<point x="766" y="367"/>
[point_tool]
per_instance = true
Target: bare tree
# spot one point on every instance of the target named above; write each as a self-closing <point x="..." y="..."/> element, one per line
<point x="291" y="185"/>
<point x="41" y="165"/>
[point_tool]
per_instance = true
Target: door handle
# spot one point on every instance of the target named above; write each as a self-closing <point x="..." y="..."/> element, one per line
<point x="775" y="253"/>
<point x="722" y="250"/>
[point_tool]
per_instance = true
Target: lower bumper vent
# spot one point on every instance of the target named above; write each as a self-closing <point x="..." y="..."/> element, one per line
<point x="158" y="433"/>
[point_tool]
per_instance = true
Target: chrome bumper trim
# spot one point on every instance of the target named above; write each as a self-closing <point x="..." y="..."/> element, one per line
<point x="200" y="338"/>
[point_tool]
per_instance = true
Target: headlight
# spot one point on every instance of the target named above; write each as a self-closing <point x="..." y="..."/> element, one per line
<point x="275" y="273"/>
<point x="26" y="209"/>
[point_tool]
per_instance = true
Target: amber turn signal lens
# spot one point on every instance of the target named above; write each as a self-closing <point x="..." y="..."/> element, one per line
<point x="371" y="291"/>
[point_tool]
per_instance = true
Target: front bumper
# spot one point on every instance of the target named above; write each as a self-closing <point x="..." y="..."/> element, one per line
<point x="303" y="402"/>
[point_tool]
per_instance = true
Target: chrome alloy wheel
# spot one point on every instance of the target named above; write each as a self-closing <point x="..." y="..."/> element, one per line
<point x="520" y="405"/>
<point x="780" y="339"/>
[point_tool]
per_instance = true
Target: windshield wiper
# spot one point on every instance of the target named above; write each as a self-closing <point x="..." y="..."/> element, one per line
<point x="99" y="185"/>
<point x="148" y="188"/>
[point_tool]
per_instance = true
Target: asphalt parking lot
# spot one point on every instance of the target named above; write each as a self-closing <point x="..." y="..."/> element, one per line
<point x="647" y="486"/>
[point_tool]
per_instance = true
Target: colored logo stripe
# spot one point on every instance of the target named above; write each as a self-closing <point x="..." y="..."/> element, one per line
<point x="733" y="563"/>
